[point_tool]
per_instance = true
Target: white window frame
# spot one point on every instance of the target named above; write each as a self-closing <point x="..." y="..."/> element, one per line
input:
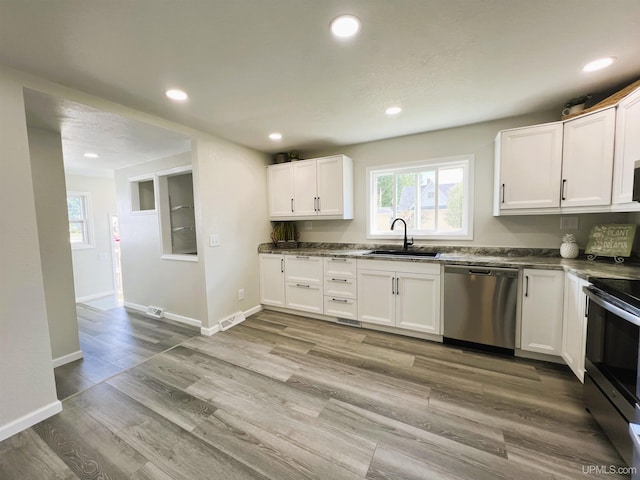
<point x="87" y="220"/>
<point x="464" y="161"/>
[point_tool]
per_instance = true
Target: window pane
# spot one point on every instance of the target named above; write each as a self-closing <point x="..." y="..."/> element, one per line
<point x="427" y="200"/>
<point x="75" y="207"/>
<point x="383" y="212"/>
<point x="450" y="199"/>
<point x="406" y="201"/>
<point x="76" y="232"/>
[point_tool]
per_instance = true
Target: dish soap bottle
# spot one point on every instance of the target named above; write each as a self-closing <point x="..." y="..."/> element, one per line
<point x="569" y="247"/>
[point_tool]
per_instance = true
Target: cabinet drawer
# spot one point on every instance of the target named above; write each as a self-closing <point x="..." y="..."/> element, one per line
<point x="303" y="269"/>
<point x="340" y="287"/>
<point x="306" y="297"/>
<point x="339" y="266"/>
<point x="340" y="307"/>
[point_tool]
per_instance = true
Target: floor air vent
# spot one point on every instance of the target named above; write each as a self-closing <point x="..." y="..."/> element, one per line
<point x="227" y="323"/>
<point x="348" y="321"/>
<point x="154" y="312"/>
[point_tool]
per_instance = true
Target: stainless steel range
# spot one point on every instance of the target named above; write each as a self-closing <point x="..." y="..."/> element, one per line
<point x="611" y="386"/>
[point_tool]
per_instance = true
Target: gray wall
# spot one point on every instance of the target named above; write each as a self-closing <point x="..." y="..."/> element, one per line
<point x="47" y="171"/>
<point x="93" y="274"/>
<point x="26" y="372"/>
<point x="148" y="279"/>
<point x="542" y="231"/>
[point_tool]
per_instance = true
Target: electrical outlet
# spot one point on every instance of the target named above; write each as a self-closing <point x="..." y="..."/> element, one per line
<point x="102" y="256"/>
<point x="308" y="225"/>
<point x="214" y="240"/>
<point x="568" y="223"/>
<point x="241" y="294"/>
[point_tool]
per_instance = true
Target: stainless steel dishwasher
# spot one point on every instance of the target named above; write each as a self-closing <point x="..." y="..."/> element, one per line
<point x="480" y="306"/>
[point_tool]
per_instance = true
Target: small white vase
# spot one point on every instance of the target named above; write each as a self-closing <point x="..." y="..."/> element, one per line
<point x="569" y="250"/>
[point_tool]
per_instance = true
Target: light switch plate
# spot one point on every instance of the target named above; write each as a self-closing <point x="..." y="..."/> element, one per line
<point x="214" y="240"/>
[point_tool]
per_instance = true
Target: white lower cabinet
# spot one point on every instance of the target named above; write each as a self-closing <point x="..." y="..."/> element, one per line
<point x="272" y="279"/>
<point x="542" y="306"/>
<point x="303" y="283"/>
<point x="340" y="287"/>
<point x="574" y="335"/>
<point x="401" y="295"/>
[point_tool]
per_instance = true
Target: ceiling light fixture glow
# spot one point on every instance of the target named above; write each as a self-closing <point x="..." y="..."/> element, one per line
<point x="275" y="136"/>
<point x="91" y="155"/>
<point x="598" y="64"/>
<point x="177" y="95"/>
<point x="391" y="111"/>
<point x="345" y="26"/>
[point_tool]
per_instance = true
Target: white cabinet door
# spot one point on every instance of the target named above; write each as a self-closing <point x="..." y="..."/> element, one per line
<point x="627" y="147"/>
<point x="542" y="305"/>
<point x="528" y="165"/>
<point x="303" y="269"/>
<point x="280" y="187"/>
<point x="330" y="186"/>
<point x="272" y="280"/>
<point x="304" y="188"/>
<point x="574" y="334"/>
<point x="304" y="296"/>
<point x="376" y="297"/>
<point x="418" y="302"/>
<point x="587" y="159"/>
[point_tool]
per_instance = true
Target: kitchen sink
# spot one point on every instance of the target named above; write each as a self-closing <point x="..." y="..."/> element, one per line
<point x="406" y="253"/>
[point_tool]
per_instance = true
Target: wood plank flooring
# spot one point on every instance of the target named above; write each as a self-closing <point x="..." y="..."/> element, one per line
<point x="284" y="397"/>
<point x="112" y="341"/>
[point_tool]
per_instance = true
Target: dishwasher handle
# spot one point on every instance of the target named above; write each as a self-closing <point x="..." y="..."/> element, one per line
<point x="481" y="270"/>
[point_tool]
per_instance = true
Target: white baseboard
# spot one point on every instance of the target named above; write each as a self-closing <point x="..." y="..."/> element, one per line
<point x="216" y="328"/>
<point x="29" y="420"/>
<point x="95" y="296"/>
<point x="68" y="358"/>
<point x="168" y="315"/>
<point x="209" y="331"/>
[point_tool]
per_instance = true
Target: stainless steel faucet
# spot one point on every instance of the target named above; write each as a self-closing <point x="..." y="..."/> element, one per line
<point x="405" y="243"/>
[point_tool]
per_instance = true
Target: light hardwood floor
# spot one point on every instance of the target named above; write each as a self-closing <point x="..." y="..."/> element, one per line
<point x="284" y="397"/>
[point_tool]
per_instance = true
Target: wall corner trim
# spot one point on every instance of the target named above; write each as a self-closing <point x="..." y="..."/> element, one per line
<point x="29" y="420"/>
<point x="68" y="358"/>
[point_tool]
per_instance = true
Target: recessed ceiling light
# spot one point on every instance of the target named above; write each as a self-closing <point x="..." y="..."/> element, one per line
<point x="345" y="26"/>
<point x="275" y="136"/>
<point x="598" y="64"/>
<point x="91" y="155"/>
<point x="391" y="111"/>
<point x="177" y="95"/>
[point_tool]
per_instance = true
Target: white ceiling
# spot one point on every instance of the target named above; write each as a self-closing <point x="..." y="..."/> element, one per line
<point x="256" y="66"/>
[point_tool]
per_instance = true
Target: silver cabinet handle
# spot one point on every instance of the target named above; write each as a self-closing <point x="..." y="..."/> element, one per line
<point x="564" y="184"/>
<point x="343" y="280"/>
<point x="393" y="287"/>
<point x="334" y="259"/>
<point x="282" y="265"/>
<point x="339" y="300"/>
<point x="397" y="286"/>
<point x="526" y="287"/>
<point x="318" y="204"/>
<point x="503" y="193"/>
<point x="302" y="285"/>
<point x="292" y="205"/>
<point x="302" y="257"/>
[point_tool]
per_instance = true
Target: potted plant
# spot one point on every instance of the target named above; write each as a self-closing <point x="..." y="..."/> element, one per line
<point x="284" y="235"/>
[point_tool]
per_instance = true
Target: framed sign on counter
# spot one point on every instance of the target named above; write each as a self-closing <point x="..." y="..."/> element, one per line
<point x="614" y="240"/>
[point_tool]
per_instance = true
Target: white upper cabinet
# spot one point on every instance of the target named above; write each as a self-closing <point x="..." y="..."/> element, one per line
<point x="528" y="165"/>
<point x="587" y="159"/>
<point x="280" y="182"/>
<point x="316" y="189"/>
<point x="627" y="147"/>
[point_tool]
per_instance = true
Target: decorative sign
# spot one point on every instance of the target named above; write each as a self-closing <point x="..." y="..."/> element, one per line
<point x="611" y="241"/>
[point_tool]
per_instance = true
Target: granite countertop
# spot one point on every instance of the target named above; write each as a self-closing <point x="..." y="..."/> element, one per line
<point x="547" y="259"/>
